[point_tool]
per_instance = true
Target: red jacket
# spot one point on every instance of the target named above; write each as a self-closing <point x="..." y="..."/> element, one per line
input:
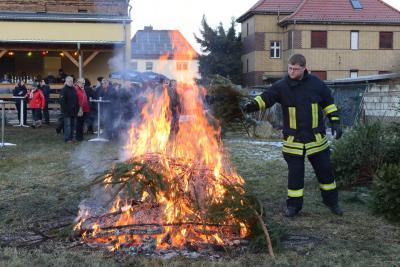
<point x="82" y="98"/>
<point x="36" y="99"/>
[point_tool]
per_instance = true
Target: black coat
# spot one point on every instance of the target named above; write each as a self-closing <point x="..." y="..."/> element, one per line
<point x="300" y="96"/>
<point x="46" y="92"/>
<point x="19" y="91"/>
<point x="69" y="101"/>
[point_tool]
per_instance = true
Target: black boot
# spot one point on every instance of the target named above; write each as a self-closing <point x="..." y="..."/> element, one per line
<point x="336" y="209"/>
<point x="291" y="212"/>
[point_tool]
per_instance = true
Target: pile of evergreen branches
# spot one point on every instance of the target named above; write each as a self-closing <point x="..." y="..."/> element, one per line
<point x="147" y="175"/>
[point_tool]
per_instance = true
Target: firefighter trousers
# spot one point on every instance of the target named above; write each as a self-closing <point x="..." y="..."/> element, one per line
<point x="322" y="166"/>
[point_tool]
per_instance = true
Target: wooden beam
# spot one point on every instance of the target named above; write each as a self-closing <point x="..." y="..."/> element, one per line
<point x="70" y="57"/>
<point x="2" y="53"/>
<point x="29" y="48"/>
<point x="90" y="58"/>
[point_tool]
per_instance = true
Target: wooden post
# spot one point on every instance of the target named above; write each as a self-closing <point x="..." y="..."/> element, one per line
<point x="80" y="61"/>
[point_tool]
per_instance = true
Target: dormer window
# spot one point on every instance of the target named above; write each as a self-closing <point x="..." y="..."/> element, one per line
<point x="356" y="4"/>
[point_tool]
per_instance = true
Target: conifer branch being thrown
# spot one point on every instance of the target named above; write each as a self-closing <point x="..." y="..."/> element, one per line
<point x="224" y="99"/>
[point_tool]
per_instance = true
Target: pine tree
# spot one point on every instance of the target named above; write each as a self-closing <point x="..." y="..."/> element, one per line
<point x="221" y="51"/>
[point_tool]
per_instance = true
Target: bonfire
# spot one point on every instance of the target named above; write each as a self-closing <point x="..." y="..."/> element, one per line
<point x="175" y="187"/>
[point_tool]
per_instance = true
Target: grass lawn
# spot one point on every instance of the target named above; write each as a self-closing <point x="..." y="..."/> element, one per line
<point x="42" y="180"/>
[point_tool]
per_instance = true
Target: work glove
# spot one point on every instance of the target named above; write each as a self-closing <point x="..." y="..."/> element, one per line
<point x="250" y="107"/>
<point x="336" y="129"/>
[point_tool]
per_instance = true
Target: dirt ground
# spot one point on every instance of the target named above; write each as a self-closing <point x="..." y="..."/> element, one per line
<point x="42" y="181"/>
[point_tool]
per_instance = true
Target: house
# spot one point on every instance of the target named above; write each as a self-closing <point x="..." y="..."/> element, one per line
<point x="340" y="38"/>
<point x="79" y="36"/>
<point x="164" y="51"/>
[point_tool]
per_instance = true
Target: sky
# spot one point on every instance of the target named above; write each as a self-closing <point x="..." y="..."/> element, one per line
<point x="186" y="15"/>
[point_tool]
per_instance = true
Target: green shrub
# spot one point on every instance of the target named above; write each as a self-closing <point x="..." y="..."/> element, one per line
<point x="392" y="143"/>
<point x="358" y="155"/>
<point x="386" y="192"/>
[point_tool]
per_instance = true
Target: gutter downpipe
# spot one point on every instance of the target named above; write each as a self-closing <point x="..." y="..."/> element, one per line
<point x="124" y="53"/>
<point x="125" y="35"/>
<point x="294" y="28"/>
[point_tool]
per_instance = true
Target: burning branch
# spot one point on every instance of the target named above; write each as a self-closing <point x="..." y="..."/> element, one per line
<point x="150" y="187"/>
<point x="175" y="188"/>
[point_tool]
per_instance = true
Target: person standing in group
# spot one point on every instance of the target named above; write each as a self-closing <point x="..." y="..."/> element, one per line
<point x="108" y="110"/>
<point x="84" y="108"/>
<point x="37" y="103"/>
<point x="90" y="94"/>
<point x="44" y="86"/>
<point x="21" y="91"/>
<point x="69" y="108"/>
<point x="304" y="99"/>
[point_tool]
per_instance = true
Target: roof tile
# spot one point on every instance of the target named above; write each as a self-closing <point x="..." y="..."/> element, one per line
<point x="156" y="43"/>
<point x="373" y="11"/>
<point x="274" y="6"/>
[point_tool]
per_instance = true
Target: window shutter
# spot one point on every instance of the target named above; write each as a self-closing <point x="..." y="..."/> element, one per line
<point x="386" y="40"/>
<point x="320" y="74"/>
<point x="319" y="39"/>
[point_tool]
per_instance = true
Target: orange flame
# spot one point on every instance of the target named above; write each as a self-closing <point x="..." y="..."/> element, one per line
<point x="196" y="143"/>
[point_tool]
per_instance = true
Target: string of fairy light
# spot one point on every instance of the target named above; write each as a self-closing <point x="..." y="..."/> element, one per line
<point x="43" y="53"/>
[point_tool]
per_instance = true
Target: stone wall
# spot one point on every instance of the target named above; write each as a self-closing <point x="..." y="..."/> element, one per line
<point x="382" y="100"/>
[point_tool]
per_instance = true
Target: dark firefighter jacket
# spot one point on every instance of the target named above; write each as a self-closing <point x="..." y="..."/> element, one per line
<point x="304" y="102"/>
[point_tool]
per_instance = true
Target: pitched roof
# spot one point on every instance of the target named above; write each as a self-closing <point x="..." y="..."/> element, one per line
<point x="271" y="6"/>
<point x="342" y="11"/>
<point x="153" y="44"/>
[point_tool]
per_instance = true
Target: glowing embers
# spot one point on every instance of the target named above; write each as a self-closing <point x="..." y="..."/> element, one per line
<point x="173" y="206"/>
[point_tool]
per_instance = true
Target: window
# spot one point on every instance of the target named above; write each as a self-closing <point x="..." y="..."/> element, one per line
<point x="247" y="29"/>
<point x="353" y="73"/>
<point x="320" y="74"/>
<point x="149" y="66"/>
<point x="275" y="51"/>
<point x="294" y="39"/>
<point x="247" y="65"/>
<point x="356" y="4"/>
<point x="319" y="39"/>
<point x="181" y="66"/>
<point x="354" y="40"/>
<point x="386" y="40"/>
<point x="134" y="65"/>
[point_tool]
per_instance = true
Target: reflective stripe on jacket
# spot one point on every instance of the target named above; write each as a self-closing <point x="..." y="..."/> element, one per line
<point x="304" y="104"/>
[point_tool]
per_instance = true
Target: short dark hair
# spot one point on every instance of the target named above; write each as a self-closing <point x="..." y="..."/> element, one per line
<point x="297" y="59"/>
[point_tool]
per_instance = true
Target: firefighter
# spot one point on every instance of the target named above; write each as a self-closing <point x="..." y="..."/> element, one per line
<point x="304" y="99"/>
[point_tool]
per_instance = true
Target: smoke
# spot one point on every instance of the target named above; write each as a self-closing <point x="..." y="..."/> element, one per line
<point x="117" y="61"/>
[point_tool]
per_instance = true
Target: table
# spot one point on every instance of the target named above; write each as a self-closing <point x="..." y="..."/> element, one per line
<point x="3" y="118"/>
<point x="21" y="116"/>
<point x="99" y="102"/>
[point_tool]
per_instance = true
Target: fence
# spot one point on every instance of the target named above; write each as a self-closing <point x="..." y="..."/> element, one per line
<point x="349" y="100"/>
<point x="6" y="94"/>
